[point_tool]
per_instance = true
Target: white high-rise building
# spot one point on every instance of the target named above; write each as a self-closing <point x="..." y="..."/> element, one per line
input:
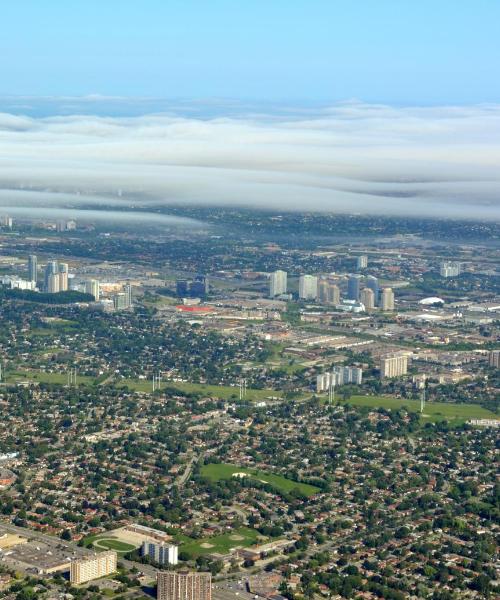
<point x="308" y="287"/>
<point x="450" y="269"/>
<point x="277" y="283"/>
<point x="367" y="297"/>
<point x="393" y="365"/>
<point x="92" y="567"/>
<point x="362" y="261"/>
<point x="387" y="299"/>
<point x="93" y="288"/>
<point x="164" y="554"/>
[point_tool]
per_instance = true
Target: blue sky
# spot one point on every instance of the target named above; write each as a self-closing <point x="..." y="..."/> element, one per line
<point x="404" y="52"/>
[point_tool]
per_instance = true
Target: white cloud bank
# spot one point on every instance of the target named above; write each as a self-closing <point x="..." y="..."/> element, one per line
<point x="352" y="157"/>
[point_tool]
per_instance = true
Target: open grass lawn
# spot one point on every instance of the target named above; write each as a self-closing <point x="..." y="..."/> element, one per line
<point x="61" y="378"/>
<point x="221" y="543"/>
<point x="433" y="411"/>
<point x="215" y="472"/>
<point x="219" y="391"/>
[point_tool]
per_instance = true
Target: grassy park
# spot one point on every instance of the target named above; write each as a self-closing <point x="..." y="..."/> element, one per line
<point x="222" y="544"/>
<point x="433" y="411"/>
<point x="219" y="391"/>
<point x="216" y="472"/>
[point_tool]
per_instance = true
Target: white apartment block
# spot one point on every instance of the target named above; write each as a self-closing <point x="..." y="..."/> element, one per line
<point x="164" y="554"/>
<point x="92" y="567"/>
<point x="393" y="365"/>
<point x="308" y="287"/>
<point x="277" y="283"/>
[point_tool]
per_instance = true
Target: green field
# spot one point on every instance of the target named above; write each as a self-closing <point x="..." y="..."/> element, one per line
<point x="224" y="392"/>
<point x="112" y="544"/>
<point x="216" y="472"/>
<point x="40" y="376"/>
<point x="221" y="543"/>
<point x="433" y="411"/>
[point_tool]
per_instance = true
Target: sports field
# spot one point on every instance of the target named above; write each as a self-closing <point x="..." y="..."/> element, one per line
<point x="242" y="537"/>
<point x="112" y="544"/>
<point x="216" y="472"/>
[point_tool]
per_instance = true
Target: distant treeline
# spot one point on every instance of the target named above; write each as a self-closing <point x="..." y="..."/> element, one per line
<point x="68" y="297"/>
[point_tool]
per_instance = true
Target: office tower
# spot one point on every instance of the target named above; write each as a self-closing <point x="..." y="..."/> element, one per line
<point x="127" y="289"/>
<point x="63" y="277"/>
<point x="387" y="299"/>
<point x="182" y="287"/>
<point x="450" y="269"/>
<point x="494" y="358"/>
<point x="353" y="286"/>
<point x="393" y="365"/>
<point x="92" y="567"/>
<point x="368" y="298"/>
<point x="92" y="287"/>
<point x="277" y="283"/>
<point x="362" y="261"/>
<point x="182" y="585"/>
<point x="372" y="283"/>
<point x="52" y="268"/>
<point x="308" y="287"/>
<point x="61" y="225"/>
<point x="164" y="554"/>
<point x="32" y="267"/>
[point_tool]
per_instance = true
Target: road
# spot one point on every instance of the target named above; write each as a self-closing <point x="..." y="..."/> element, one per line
<point x="181" y="480"/>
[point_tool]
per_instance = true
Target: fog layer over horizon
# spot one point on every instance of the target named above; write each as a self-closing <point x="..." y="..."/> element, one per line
<point x="350" y="158"/>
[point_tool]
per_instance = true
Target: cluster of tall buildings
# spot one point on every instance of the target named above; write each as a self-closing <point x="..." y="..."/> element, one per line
<point x="183" y="585"/>
<point x="339" y="376"/>
<point x="360" y="289"/>
<point x="123" y="300"/>
<point x="192" y="288"/>
<point x="56" y="277"/>
<point x="450" y="269"/>
<point x="6" y="221"/>
<point x="63" y="225"/>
